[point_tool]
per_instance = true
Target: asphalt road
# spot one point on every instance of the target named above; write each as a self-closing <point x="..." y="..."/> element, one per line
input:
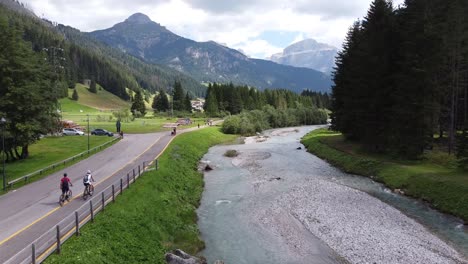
<point x="28" y="212"/>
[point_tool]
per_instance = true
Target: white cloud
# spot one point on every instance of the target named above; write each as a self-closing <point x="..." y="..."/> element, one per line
<point x="257" y="48"/>
<point x="238" y="23"/>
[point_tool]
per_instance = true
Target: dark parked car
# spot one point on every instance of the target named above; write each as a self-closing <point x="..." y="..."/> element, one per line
<point x="101" y="132"/>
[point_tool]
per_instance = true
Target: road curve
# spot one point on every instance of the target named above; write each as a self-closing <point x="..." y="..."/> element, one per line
<point x="28" y="212"/>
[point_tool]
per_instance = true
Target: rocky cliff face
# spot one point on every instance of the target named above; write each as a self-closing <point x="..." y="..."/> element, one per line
<point x="309" y="54"/>
<point x="205" y="61"/>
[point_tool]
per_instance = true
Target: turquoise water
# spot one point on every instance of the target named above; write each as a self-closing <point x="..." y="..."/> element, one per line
<point x="230" y="214"/>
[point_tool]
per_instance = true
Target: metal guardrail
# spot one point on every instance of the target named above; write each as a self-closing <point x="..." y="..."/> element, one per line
<point x="53" y="166"/>
<point x="52" y="240"/>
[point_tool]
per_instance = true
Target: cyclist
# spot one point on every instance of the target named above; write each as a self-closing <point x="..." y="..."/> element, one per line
<point x="88" y="178"/>
<point x="65" y="184"/>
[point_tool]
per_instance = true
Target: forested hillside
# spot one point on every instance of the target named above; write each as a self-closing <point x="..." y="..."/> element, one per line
<point x="401" y="78"/>
<point x="227" y="98"/>
<point x="150" y="77"/>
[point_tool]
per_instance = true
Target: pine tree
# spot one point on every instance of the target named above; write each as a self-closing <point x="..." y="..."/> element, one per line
<point x="211" y="104"/>
<point x="187" y="103"/>
<point x="160" y="102"/>
<point x="346" y="84"/>
<point x="138" y="104"/>
<point x="75" y="96"/>
<point x="178" y="97"/>
<point x="92" y="87"/>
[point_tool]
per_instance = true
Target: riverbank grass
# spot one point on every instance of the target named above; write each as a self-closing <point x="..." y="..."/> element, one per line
<point x="157" y="213"/>
<point x="434" y="179"/>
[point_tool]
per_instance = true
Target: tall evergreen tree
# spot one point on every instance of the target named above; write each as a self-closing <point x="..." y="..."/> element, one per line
<point x="178" y="97"/>
<point x="138" y="104"/>
<point x="92" y="87"/>
<point x="187" y="103"/>
<point x="160" y="102"/>
<point x="75" y="96"/>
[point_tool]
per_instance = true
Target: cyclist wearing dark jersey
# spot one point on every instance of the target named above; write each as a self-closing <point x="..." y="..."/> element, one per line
<point x="65" y="184"/>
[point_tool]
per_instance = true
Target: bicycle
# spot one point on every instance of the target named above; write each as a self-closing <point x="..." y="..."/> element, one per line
<point x="65" y="197"/>
<point x="88" y="191"/>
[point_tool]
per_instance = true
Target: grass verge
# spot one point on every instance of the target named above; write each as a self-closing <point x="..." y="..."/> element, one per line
<point x="441" y="184"/>
<point x="157" y="214"/>
<point x="48" y="151"/>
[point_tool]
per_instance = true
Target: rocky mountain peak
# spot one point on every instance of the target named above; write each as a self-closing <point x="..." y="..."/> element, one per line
<point x="138" y="18"/>
<point x="308" y="53"/>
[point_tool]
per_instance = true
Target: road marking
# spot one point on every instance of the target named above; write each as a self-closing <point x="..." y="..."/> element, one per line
<point x="73" y="198"/>
<point x="28" y="226"/>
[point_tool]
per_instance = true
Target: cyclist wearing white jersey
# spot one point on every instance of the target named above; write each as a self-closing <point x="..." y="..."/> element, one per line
<point x="88" y="178"/>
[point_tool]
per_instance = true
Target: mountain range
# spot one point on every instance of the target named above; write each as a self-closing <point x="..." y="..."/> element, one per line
<point x="205" y="61"/>
<point x="308" y="53"/>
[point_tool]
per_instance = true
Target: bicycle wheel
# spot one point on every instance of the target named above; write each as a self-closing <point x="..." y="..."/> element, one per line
<point x="91" y="190"/>
<point x="61" y="199"/>
<point x="69" y="195"/>
<point x="85" y="193"/>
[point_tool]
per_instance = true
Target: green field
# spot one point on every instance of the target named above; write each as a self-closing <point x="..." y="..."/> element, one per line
<point x="50" y="150"/>
<point x="157" y="214"/>
<point x="434" y="179"/>
<point x="99" y="108"/>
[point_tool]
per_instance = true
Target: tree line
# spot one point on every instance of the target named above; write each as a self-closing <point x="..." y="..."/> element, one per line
<point x="401" y="78"/>
<point x="223" y="99"/>
<point x="180" y="102"/>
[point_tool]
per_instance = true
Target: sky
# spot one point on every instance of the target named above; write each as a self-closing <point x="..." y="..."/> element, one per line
<point x="259" y="28"/>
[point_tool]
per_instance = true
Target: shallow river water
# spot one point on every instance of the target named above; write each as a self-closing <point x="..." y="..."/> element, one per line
<point x="275" y="203"/>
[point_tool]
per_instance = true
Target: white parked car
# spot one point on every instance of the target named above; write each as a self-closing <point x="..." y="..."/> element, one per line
<point x="72" y="132"/>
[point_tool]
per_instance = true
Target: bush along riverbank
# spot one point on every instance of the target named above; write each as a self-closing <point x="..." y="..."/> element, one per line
<point x="434" y="179"/>
<point x="157" y="214"/>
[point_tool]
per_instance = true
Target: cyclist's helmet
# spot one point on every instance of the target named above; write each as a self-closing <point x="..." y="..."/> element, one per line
<point x="88" y="172"/>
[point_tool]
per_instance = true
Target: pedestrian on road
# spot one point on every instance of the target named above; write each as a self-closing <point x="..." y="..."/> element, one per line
<point x="117" y="125"/>
<point x="198" y="125"/>
<point x="121" y="134"/>
<point x="65" y="184"/>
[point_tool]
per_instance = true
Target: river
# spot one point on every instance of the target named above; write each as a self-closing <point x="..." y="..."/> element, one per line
<point x="276" y="203"/>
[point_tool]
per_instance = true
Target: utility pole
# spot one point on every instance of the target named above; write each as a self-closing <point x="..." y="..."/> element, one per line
<point x="88" y="131"/>
<point x="2" y="124"/>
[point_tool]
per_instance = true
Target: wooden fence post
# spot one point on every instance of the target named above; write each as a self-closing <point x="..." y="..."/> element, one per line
<point x="77" y="224"/>
<point x="33" y="255"/>
<point x="103" y="201"/>
<point x="113" y="193"/>
<point x="128" y="180"/>
<point x="58" y="239"/>
<point x="91" y="210"/>
<point x="121" y="186"/>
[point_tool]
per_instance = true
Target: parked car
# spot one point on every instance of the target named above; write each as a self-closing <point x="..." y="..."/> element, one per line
<point x="101" y="132"/>
<point x="72" y="132"/>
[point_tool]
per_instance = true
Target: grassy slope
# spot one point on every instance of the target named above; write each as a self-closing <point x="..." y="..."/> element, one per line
<point x="442" y="185"/>
<point x="102" y="100"/>
<point x="155" y="215"/>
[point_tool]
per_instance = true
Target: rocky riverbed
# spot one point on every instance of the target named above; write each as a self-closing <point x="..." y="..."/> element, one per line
<point x="291" y="203"/>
